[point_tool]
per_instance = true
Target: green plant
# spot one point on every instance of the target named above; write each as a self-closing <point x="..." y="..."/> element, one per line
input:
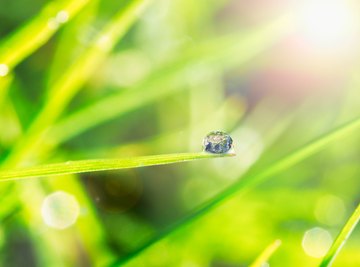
<point x="88" y="89"/>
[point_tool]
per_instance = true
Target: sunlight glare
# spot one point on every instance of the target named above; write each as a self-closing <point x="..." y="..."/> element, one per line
<point x="328" y="23"/>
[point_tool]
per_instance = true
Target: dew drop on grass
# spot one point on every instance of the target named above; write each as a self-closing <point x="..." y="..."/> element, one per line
<point x="218" y="142"/>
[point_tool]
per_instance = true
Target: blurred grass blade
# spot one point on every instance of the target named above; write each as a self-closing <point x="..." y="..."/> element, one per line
<point x="224" y="52"/>
<point x="341" y="239"/>
<point x="249" y="181"/>
<point x="4" y="88"/>
<point x="266" y="254"/>
<point x="102" y="165"/>
<point x="38" y="31"/>
<point x="72" y="80"/>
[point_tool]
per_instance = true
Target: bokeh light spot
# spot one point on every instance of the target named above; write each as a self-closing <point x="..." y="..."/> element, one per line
<point x="328" y="23"/>
<point x="53" y="24"/>
<point x="60" y="210"/>
<point x="330" y="210"/>
<point x="104" y="42"/>
<point x="316" y="242"/>
<point x="62" y="16"/>
<point x="4" y="70"/>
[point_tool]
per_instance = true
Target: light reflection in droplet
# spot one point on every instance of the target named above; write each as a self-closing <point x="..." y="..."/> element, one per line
<point x="4" y="70"/>
<point x="60" y="210"/>
<point x="217" y="142"/>
<point x="316" y="242"/>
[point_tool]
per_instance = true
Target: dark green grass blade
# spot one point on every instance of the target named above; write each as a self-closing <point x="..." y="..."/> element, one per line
<point x="341" y="239"/>
<point x="250" y="181"/>
<point x="102" y="165"/>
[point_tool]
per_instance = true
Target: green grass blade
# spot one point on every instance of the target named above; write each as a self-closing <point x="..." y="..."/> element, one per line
<point x="72" y="80"/>
<point x="266" y="254"/>
<point x="341" y="239"/>
<point x="38" y="31"/>
<point x="249" y="181"/>
<point x="93" y="165"/>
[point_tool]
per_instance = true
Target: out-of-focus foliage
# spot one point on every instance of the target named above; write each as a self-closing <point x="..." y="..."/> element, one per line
<point x="107" y="79"/>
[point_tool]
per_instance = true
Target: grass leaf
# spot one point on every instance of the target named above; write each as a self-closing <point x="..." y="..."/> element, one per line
<point x="341" y="239"/>
<point x="102" y="165"/>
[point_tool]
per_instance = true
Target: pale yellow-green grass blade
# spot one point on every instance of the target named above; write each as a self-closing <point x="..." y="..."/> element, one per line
<point x="93" y="165"/>
<point x="266" y="254"/>
<point x="72" y="80"/>
<point x="35" y="33"/>
<point x="341" y="239"/>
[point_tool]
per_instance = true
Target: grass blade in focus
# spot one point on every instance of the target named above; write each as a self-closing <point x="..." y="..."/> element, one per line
<point x="341" y="239"/>
<point x="102" y="165"/>
<point x="266" y="254"/>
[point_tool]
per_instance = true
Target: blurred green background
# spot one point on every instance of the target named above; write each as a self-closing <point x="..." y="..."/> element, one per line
<point x="86" y="79"/>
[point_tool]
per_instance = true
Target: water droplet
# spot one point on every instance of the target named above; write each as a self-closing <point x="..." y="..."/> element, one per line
<point x="60" y="210"/>
<point x="4" y="70"/>
<point x="217" y="142"/>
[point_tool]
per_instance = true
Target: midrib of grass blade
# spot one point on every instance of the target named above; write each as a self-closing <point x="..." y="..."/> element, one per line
<point x="223" y="52"/>
<point x="37" y="32"/>
<point x="249" y="181"/>
<point x="341" y="239"/>
<point x="72" y="80"/>
<point x="93" y="165"/>
<point x="266" y="254"/>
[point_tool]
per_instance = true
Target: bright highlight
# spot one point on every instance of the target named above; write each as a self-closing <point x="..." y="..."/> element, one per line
<point x="328" y="23"/>
<point x="316" y="242"/>
<point x="60" y="210"/>
<point x="4" y="70"/>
